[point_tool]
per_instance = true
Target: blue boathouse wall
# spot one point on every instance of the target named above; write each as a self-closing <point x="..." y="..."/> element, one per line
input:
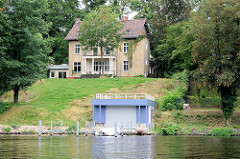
<point x="142" y="111"/>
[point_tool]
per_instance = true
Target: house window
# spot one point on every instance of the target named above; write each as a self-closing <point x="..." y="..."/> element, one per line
<point x="125" y="65"/>
<point x="128" y="31"/>
<point x="106" y="66"/>
<point x="146" y="46"/>
<point x="77" y="67"/>
<point x="62" y="75"/>
<point x="84" y="52"/>
<point x="107" y="51"/>
<point x="95" y="51"/>
<point x="52" y="74"/>
<point x="77" y="49"/>
<point x="125" y="47"/>
<point x="98" y="66"/>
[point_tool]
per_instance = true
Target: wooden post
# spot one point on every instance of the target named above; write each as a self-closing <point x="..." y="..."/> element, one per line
<point x="115" y="134"/>
<point x="77" y="128"/>
<point x="61" y="127"/>
<point x="148" y="128"/>
<point x="131" y="127"/>
<point x="122" y="129"/>
<point x="94" y="127"/>
<point x="51" y="129"/>
<point x="40" y="130"/>
<point x="128" y="127"/>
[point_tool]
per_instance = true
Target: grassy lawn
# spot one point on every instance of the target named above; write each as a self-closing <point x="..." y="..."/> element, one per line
<point x="50" y="99"/>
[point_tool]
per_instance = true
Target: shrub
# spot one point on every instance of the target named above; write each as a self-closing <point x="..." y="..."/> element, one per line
<point x="222" y="132"/>
<point x="71" y="129"/>
<point x="6" y="129"/>
<point x="4" y="107"/>
<point x="15" y="126"/>
<point x="168" y="129"/>
<point x="140" y="75"/>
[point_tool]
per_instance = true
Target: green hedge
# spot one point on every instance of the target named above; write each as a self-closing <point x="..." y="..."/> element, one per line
<point x="168" y="128"/>
<point x="222" y="132"/>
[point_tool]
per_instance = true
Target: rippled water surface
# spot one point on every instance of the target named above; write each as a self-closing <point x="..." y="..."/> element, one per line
<point x="119" y="147"/>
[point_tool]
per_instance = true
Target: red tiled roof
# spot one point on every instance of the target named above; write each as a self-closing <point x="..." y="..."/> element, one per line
<point x="134" y="27"/>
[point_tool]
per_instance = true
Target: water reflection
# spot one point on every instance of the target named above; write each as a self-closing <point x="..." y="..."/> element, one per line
<point x="120" y="147"/>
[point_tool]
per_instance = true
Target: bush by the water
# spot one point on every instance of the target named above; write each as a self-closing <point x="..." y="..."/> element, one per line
<point x="174" y="99"/>
<point x="4" y="107"/>
<point x="168" y="128"/>
<point x="222" y="132"/>
<point x="6" y="129"/>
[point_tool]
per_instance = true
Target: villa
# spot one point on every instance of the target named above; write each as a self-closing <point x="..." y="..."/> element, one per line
<point x="87" y="63"/>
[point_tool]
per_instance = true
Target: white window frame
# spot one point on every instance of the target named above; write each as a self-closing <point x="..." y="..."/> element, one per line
<point x="126" y="65"/>
<point x="77" y="48"/>
<point x="51" y="74"/>
<point x="78" y="65"/>
<point x="97" y="64"/>
<point x="106" y="65"/>
<point x="125" y="45"/>
<point x="93" y="51"/>
<point x="62" y="74"/>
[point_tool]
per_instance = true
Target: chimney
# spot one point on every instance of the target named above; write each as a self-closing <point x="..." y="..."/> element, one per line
<point x="124" y="18"/>
<point x="77" y="20"/>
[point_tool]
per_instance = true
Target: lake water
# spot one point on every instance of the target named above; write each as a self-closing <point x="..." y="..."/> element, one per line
<point x="119" y="147"/>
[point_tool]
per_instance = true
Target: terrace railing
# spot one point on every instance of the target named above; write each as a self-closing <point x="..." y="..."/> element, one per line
<point x="124" y="96"/>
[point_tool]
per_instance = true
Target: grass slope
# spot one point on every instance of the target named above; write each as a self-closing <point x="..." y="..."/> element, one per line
<point x="52" y="99"/>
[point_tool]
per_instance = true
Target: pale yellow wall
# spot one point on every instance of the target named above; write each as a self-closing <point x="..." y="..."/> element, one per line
<point x="74" y="58"/>
<point x="139" y="57"/>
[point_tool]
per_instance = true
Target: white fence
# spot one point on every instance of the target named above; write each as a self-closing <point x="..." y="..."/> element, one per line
<point x="124" y="96"/>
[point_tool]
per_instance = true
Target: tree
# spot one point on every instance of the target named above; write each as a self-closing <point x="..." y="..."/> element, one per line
<point x="61" y="14"/>
<point x="94" y="4"/>
<point x="100" y="28"/>
<point x="165" y="14"/>
<point x="25" y="49"/>
<point x="216" y="49"/>
<point x="174" y="52"/>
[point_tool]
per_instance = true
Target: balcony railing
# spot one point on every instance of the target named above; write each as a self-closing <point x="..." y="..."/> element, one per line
<point x="124" y="96"/>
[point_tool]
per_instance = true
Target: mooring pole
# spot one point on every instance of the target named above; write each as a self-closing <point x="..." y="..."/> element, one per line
<point x="51" y="129"/>
<point x="61" y="127"/>
<point x="148" y="128"/>
<point x="77" y="128"/>
<point x="122" y="129"/>
<point x="40" y="130"/>
<point x="115" y="134"/>
<point x="94" y="127"/>
<point x="86" y="128"/>
<point x="131" y="127"/>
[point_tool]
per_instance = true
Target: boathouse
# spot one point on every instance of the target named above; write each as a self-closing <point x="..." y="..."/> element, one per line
<point x="133" y="110"/>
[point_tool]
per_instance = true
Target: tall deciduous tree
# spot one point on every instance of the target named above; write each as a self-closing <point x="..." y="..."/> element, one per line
<point x="25" y="49"/>
<point x="216" y="49"/>
<point x="61" y="14"/>
<point x="100" y="28"/>
<point x="166" y="13"/>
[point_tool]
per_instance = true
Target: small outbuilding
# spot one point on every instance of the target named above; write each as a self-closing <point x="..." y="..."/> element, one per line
<point x="58" y="71"/>
<point x="133" y="110"/>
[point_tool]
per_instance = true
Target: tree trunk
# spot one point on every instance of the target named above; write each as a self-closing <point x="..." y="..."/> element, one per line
<point x="16" y="91"/>
<point x="228" y="96"/>
<point x="102" y="60"/>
